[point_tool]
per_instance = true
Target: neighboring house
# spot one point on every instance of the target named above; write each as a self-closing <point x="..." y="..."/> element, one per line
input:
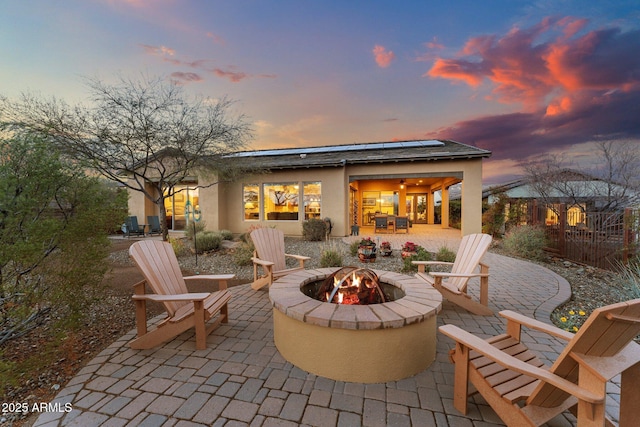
<point x="347" y="183"/>
<point x="580" y="192"/>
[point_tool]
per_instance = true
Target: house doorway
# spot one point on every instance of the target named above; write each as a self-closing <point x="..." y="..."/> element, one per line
<point x="417" y="205"/>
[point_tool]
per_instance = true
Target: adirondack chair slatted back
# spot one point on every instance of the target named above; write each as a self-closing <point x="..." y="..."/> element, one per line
<point x="269" y="245"/>
<point x="159" y="266"/>
<point x="472" y="249"/>
<point x="607" y="331"/>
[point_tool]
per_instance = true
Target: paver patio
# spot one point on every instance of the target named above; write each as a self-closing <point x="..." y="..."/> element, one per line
<point x="241" y="379"/>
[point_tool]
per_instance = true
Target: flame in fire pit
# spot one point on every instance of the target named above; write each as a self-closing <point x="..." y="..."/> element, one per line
<point x="352" y="285"/>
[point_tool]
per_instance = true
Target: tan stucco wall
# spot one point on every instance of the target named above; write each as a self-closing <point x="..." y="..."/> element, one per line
<point x="222" y="205"/>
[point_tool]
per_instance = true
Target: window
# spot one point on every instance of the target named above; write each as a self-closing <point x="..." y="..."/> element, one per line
<point x="312" y="200"/>
<point x="178" y="215"/>
<point x="251" y="200"/>
<point x="281" y="201"/>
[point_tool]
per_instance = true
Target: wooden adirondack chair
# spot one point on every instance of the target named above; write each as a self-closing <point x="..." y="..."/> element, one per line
<point x="524" y="392"/>
<point x="454" y="288"/>
<point x="270" y="255"/>
<point x="159" y="266"/>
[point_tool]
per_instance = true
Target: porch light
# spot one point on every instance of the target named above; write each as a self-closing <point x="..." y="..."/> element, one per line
<point x="401" y="183"/>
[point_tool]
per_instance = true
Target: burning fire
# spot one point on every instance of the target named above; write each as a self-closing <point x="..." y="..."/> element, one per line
<point x="358" y="287"/>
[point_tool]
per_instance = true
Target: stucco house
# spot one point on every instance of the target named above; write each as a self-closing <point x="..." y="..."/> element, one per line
<point x="347" y="183"/>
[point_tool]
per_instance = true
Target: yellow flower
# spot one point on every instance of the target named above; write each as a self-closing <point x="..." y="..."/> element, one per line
<point x="575" y="329"/>
<point x="581" y="313"/>
<point x="571" y="312"/>
<point x="563" y="319"/>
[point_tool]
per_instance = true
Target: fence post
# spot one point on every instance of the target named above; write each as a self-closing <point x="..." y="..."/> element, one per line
<point x="562" y="229"/>
<point x="627" y="233"/>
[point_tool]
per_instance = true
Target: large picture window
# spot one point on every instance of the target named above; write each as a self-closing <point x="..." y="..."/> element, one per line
<point x="281" y="201"/>
<point x="251" y="200"/>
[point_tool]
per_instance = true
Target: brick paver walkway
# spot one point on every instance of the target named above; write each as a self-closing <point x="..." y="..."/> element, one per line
<point x="241" y="379"/>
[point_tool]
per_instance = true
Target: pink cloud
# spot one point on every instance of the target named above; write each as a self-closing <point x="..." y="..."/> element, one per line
<point x="233" y="76"/>
<point x="169" y="55"/>
<point x="382" y="56"/>
<point x="521" y="68"/>
<point x="184" y="78"/>
<point x="578" y="85"/>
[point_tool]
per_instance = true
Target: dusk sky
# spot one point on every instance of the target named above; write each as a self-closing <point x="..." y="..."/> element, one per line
<point x="519" y="78"/>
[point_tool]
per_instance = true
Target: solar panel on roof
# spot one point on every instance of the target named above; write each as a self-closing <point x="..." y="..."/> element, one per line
<point x="339" y="148"/>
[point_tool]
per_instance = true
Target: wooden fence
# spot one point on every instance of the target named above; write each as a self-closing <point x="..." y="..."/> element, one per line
<point x="599" y="239"/>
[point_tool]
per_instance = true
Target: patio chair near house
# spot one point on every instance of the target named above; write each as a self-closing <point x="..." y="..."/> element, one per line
<point x="158" y="264"/>
<point x="133" y="228"/>
<point x="154" y="224"/>
<point x="270" y="256"/>
<point x="525" y="392"/>
<point x="402" y="223"/>
<point x="453" y="285"/>
<point x="381" y="224"/>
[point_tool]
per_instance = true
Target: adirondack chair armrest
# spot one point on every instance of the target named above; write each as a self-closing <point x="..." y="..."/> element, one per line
<point x="422" y="264"/>
<point x="262" y="262"/>
<point x="195" y="296"/>
<point x="518" y="319"/>
<point x="469" y="275"/>
<point x="473" y="342"/>
<point x="298" y="257"/>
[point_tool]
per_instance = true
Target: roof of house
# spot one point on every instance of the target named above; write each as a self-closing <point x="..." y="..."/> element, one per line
<point x="375" y="152"/>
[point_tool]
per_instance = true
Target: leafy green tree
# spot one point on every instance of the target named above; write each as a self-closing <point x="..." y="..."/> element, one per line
<point x="54" y="226"/>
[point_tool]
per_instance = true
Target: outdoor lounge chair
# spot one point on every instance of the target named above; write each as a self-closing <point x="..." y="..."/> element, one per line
<point x="525" y="392"/>
<point x="133" y="228"/>
<point x="269" y="254"/>
<point x="154" y="224"/>
<point x="454" y="288"/>
<point x="159" y="266"/>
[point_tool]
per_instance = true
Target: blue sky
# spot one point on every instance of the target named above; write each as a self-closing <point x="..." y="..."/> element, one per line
<point x="519" y="78"/>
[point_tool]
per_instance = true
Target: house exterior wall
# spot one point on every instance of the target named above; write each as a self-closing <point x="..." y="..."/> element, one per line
<point x="222" y="205"/>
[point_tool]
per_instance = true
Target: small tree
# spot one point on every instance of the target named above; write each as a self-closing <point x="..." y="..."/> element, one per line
<point x="54" y="223"/>
<point x="147" y="135"/>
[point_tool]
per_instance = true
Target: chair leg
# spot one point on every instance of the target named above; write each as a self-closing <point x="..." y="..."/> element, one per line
<point x="461" y="378"/>
<point x="200" y="326"/>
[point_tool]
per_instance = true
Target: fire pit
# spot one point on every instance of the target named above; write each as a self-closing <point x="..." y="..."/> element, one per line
<point x="352" y="286"/>
<point x="382" y="331"/>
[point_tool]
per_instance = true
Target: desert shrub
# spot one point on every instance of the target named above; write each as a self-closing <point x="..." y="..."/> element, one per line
<point x="179" y="248"/>
<point x="226" y="234"/>
<point x="445" y="254"/>
<point x="244" y="253"/>
<point x="207" y="241"/>
<point x="629" y="277"/>
<point x="314" y="229"/>
<point x="525" y="241"/>
<point x="353" y="248"/>
<point x="200" y="226"/>
<point x="331" y="258"/>
<point x="421" y="255"/>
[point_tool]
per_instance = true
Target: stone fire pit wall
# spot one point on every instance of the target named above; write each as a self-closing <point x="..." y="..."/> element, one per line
<point x="364" y="343"/>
